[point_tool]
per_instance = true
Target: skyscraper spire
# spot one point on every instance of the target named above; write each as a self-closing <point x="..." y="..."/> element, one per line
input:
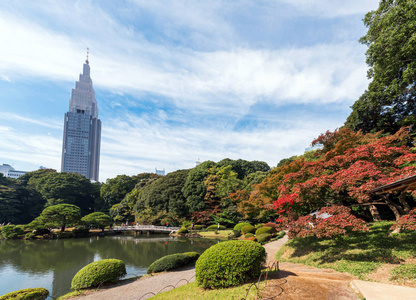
<point x="82" y="129"/>
<point x="88" y="52"/>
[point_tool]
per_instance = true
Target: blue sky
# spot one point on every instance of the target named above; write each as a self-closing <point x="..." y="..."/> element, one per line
<point x="179" y="80"/>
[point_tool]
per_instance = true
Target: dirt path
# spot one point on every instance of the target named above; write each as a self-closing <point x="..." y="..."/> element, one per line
<point x="301" y="282"/>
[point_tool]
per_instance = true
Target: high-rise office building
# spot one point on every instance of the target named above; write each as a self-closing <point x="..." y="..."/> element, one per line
<point x="82" y="130"/>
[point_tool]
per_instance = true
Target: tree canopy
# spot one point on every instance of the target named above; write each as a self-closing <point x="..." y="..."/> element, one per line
<point x="390" y="100"/>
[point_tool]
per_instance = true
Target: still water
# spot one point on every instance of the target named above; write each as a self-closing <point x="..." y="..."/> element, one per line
<point x="53" y="263"/>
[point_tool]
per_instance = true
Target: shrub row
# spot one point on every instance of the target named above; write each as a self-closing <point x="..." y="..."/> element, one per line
<point x="240" y="225"/>
<point x="173" y="261"/>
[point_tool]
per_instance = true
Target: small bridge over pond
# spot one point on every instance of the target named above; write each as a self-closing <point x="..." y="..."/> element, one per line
<point x="139" y="229"/>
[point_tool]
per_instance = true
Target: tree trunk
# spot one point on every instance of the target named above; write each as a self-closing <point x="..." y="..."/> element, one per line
<point x="374" y="212"/>
<point x="403" y="202"/>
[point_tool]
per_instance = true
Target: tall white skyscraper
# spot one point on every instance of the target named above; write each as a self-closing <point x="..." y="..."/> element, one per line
<point x="82" y="130"/>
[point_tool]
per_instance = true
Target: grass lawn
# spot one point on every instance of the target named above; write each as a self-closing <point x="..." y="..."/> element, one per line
<point x="369" y="255"/>
<point x="220" y="234"/>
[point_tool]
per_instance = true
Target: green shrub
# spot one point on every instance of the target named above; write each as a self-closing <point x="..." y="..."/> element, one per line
<point x="27" y="294"/>
<point x="215" y="227"/>
<point x="193" y="255"/>
<point x="236" y="233"/>
<point x="12" y="231"/>
<point x="196" y="227"/>
<point x="29" y="236"/>
<point x="240" y="225"/>
<point x="98" y="272"/>
<point x="247" y="235"/>
<point x="182" y="230"/>
<point x="173" y="261"/>
<point x="229" y="263"/>
<point x="264" y="230"/>
<point x="262" y="238"/>
<point x="248" y="229"/>
<point x="260" y="225"/>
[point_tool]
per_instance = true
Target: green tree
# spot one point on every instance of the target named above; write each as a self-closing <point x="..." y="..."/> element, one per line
<point x="18" y="204"/>
<point x="58" y="188"/>
<point x="97" y="220"/>
<point x="164" y="194"/>
<point x="115" y="189"/>
<point x="390" y="101"/>
<point x="60" y="215"/>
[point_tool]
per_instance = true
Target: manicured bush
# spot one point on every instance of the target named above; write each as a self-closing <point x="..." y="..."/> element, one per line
<point x="248" y="235"/>
<point x="173" y="261"/>
<point x="264" y="230"/>
<point x="215" y="227"/>
<point x="96" y="273"/>
<point x="264" y="237"/>
<point x="27" y="294"/>
<point x="12" y="231"/>
<point x="196" y="227"/>
<point x="260" y="225"/>
<point x="229" y="263"/>
<point x="182" y="231"/>
<point x="248" y="229"/>
<point x="240" y="225"/>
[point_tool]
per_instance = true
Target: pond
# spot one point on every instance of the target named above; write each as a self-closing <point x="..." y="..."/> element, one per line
<point x="53" y="263"/>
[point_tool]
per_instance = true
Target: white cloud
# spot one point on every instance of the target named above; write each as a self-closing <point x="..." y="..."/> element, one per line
<point x="333" y="8"/>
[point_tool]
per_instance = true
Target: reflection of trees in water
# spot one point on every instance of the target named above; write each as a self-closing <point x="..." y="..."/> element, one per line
<point x="66" y="257"/>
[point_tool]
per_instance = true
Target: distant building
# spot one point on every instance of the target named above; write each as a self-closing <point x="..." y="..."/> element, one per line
<point x="160" y="172"/>
<point x="315" y="147"/>
<point x="197" y="163"/>
<point x="82" y="130"/>
<point x="9" y="171"/>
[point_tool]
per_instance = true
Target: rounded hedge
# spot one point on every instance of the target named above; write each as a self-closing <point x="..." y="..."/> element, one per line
<point x="173" y="261"/>
<point x="264" y="230"/>
<point x="196" y="227"/>
<point x="240" y="225"/>
<point x="248" y="229"/>
<point x="249" y="235"/>
<point x="229" y="263"/>
<point x="215" y="227"/>
<point x="98" y="272"/>
<point x="182" y="230"/>
<point x="264" y="237"/>
<point x="27" y="294"/>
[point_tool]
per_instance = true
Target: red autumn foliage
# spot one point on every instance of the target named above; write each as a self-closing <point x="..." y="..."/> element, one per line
<point x="406" y="222"/>
<point x="343" y="173"/>
<point x="340" y="222"/>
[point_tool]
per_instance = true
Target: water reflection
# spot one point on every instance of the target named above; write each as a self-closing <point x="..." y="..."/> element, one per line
<point x="53" y="263"/>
